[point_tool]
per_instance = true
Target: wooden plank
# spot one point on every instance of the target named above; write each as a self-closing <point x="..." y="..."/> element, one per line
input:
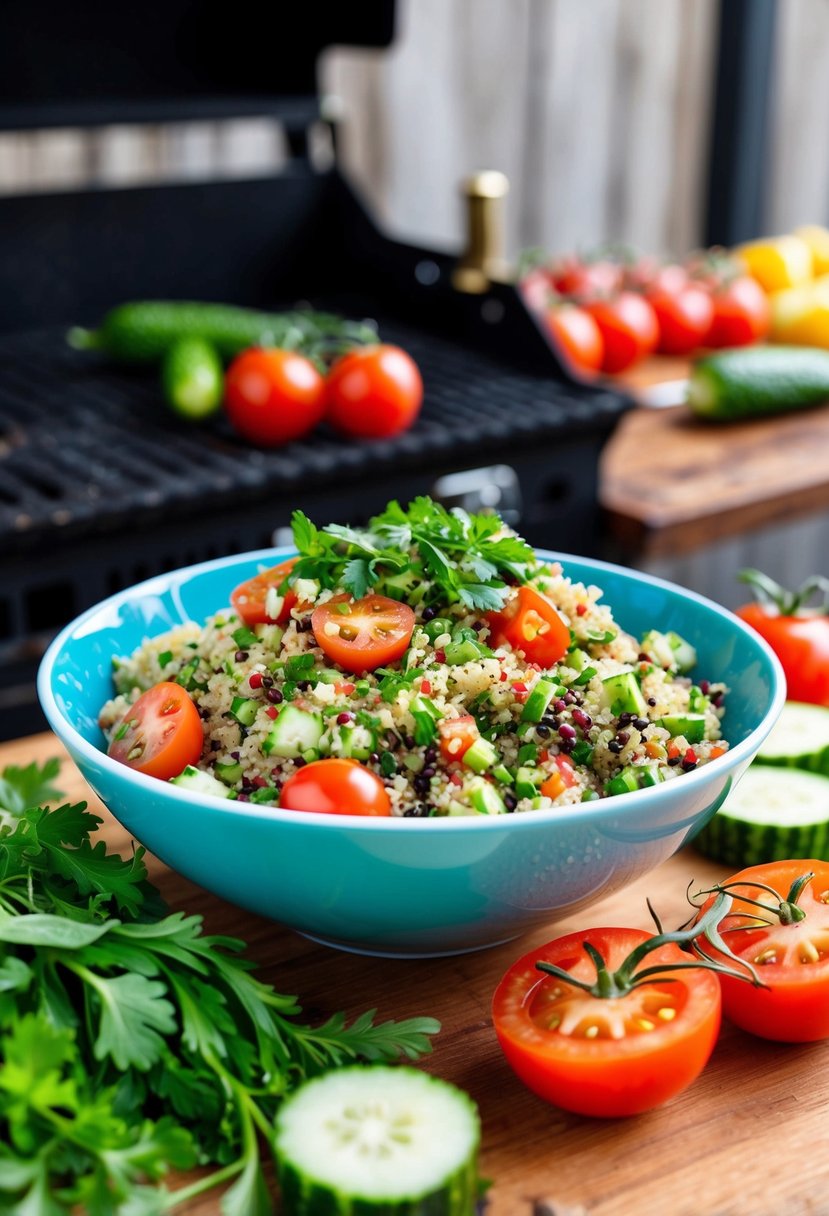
<point x="714" y="1149"/>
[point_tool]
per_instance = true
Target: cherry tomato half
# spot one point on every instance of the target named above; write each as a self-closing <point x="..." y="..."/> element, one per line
<point x="273" y="396"/>
<point x="576" y="333"/>
<point x="160" y="734"/>
<point x="628" y="326"/>
<point x="792" y="960"/>
<point x="605" y="1056"/>
<point x="249" y="599"/>
<point x="335" y="787"/>
<point x="363" y="634"/>
<point x="457" y="736"/>
<point x="742" y="313"/>
<point x="373" y="392"/>
<point x="529" y="622"/>
<point x="684" y="318"/>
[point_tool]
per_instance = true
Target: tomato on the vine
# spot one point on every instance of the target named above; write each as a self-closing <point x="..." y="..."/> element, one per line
<point x="252" y="598"/>
<point x="531" y="623"/>
<point x="373" y="392"/>
<point x="160" y="734"/>
<point x="590" y="1038"/>
<point x="742" y="313"/>
<point x="798" y="635"/>
<point x="273" y="396"/>
<point x="684" y="317"/>
<point x="585" y="277"/>
<point x="628" y="327"/>
<point x="335" y="786"/>
<point x="362" y="634"/>
<point x="577" y="334"/>
<point x="786" y="940"/>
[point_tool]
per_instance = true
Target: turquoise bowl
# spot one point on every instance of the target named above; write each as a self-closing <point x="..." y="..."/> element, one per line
<point x="406" y="887"/>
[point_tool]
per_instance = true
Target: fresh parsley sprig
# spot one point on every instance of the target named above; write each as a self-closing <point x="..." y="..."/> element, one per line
<point x="420" y="553"/>
<point x="132" y="1042"/>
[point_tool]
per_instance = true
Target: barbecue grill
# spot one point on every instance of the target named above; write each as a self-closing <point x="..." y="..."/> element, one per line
<point x="100" y="485"/>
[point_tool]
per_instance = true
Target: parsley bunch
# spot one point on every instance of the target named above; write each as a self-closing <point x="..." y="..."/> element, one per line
<point x="132" y="1042"/>
<point x="421" y="554"/>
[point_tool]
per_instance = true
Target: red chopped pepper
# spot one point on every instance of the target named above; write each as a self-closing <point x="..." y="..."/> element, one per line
<point x="255" y="679"/>
<point x="272" y="711"/>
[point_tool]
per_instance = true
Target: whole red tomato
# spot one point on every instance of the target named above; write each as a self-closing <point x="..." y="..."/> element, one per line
<point x="577" y="334"/>
<point x="585" y="277"/>
<point x="373" y="392"/>
<point x="273" y="396"/>
<point x="684" y="317"/>
<point x="335" y="786"/>
<point x="628" y="326"/>
<point x="742" y="313"/>
<point x="798" y="635"/>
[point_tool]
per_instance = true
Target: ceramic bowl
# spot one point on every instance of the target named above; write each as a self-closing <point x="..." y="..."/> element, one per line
<point x="407" y="886"/>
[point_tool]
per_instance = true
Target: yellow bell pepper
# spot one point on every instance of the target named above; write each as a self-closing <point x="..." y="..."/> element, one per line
<point x="800" y="315"/>
<point x="817" y="238"/>
<point x="777" y="262"/>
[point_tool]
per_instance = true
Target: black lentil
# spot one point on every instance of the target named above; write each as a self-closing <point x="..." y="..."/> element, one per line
<point x="274" y="695"/>
<point x="241" y="655"/>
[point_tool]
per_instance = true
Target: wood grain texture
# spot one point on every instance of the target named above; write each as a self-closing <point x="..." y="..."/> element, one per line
<point x="747" y="1137"/>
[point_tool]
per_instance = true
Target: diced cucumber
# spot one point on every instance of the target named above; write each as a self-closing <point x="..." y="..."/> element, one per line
<point x="485" y="799"/>
<point x="800" y="739"/>
<point x="327" y="675"/>
<point x="685" y="656"/>
<point x="377" y="1141"/>
<point x="244" y="710"/>
<point x="457" y="653"/>
<point x="772" y="814"/>
<point x="480" y="755"/>
<point x="528" y="781"/>
<point x="353" y="742"/>
<point x="633" y="777"/>
<point x="244" y="637"/>
<point x="697" y="701"/>
<point x="501" y="773"/>
<point x="622" y="694"/>
<point x="198" y="782"/>
<point x="536" y="704"/>
<point x="691" y="726"/>
<point x="294" y="732"/>
<point x="270" y="636"/>
<point x="230" y="773"/>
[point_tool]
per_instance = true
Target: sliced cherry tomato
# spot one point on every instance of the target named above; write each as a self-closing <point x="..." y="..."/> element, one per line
<point x="790" y="955"/>
<point x="363" y="634"/>
<point x="249" y="599"/>
<point x="628" y="327"/>
<point x="606" y="1056"/>
<point x="373" y="392"/>
<point x="335" y="787"/>
<point x="684" y="317"/>
<point x="742" y="313"/>
<point x="798" y="635"/>
<point x="577" y="335"/>
<point x="457" y="736"/>
<point x="529" y="622"/>
<point x="273" y="396"/>
<point x="160" y="734"/>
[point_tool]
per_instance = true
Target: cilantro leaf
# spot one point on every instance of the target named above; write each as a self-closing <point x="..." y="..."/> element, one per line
<point x="357" y="576"/>
<point x="481" y="597"/>
<point x="306" y="534"/>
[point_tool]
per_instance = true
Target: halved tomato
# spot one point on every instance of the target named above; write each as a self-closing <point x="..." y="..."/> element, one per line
<point x="249" y="599"/>
<point x="531" y="623"/>
<point x="160" y="734"/>
<point x="606" y="1056"/>
<point x="457" y="736"/>
<point x="335" y="787"/>
<point x="363" y="634"/>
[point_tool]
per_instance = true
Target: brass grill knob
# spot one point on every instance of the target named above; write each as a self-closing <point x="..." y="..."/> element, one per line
<point x="483" y="260"/>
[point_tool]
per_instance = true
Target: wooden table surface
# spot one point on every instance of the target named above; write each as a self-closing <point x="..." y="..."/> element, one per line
<point x="671" y="483"/>
<point x="749" y="1138"/>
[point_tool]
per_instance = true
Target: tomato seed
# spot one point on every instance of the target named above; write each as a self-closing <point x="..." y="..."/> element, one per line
<point x="666" y="1013"/>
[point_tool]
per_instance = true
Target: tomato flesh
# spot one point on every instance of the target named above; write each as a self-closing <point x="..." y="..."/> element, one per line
<point x="362" y="634"/>
<point x="457" y="736"/>
<point x="250" y="598"/>
<point x="791" y="960"/>
<point x="606" y="1057"/>
<point x="531" y="623"/>
<point x="160" y="734"/>
<point x="335" y="787"/>
<point x="801" y="643"/>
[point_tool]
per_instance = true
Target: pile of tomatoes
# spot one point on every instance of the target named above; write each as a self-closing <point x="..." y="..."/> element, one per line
<point x="607" y="312"/>
<point x="274" y="396"/>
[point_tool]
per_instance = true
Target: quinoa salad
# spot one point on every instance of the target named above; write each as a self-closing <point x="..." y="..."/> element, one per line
<point x="433" y="650"/>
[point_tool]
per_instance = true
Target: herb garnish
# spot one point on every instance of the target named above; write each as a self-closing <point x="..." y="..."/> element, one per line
<point x="113" y="1011"/>
<point x="461" y="558"/>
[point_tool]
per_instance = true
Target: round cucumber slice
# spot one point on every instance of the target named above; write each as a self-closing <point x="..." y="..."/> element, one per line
<point x="771" y="814"/>
<point x="800" y="739"/>
<point x="378" y="1141"/>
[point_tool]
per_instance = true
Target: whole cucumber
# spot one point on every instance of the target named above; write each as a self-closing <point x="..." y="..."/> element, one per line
<point x="759" y="380"/>
<point x="192" y="378"/>
<point x="143" y="331"/>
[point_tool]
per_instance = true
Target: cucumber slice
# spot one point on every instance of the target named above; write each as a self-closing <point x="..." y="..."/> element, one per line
<point x="687" y="726"/>
<point x="379" y="1141"/>
<point x="770" y="815"/>
<point x="295" y="732"/>
<point x="480" y="756"/>
<point x="622" y="694"/>
<point x="800" y="739"/>
<point x="198" y="782"/>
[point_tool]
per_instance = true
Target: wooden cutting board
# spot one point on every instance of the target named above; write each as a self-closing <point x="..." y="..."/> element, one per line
<point x="671" y="483"/>
<point x="749" y="1138"/>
